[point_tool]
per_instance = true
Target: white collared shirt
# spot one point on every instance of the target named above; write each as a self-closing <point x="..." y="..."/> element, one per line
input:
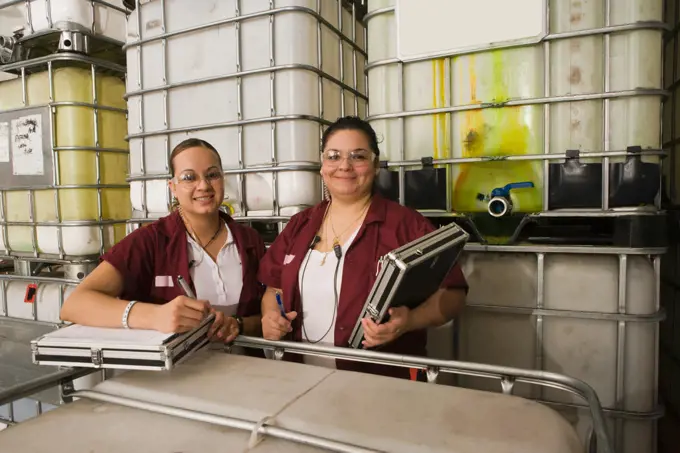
<point x="219" y="282"/>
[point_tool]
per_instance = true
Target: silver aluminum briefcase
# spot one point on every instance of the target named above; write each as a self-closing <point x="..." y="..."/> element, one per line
<point x="92" y="347"/>
<point x="410" y="274"/>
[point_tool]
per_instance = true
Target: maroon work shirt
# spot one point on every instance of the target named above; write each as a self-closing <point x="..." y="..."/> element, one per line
<point x="387" y="225"/>
<point x="151" y="258"/>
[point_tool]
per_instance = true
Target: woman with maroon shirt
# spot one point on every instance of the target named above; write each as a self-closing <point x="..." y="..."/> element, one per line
<point x="136" y="283"/>
<point x="338" y="243"/>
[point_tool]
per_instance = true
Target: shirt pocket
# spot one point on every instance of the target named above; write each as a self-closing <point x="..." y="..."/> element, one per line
<point x="163" y="294"/>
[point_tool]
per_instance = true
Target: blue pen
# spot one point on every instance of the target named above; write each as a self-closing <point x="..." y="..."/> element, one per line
<point x="280" y="302"/>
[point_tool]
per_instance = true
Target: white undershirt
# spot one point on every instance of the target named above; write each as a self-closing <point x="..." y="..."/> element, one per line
<point x="318" y="299"/>
<point x="219" y="282"/>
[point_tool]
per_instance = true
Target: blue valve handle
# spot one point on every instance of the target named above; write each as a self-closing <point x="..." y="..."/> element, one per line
<point x="505" y="190"/>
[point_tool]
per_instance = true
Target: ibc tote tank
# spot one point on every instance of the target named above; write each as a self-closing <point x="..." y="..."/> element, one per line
<point x="592" y="313"/>
<point x="104" y="19"/>
<point x="256" y="78"/>
<point x="485" y="80"/>
<point x="63" y="157"/>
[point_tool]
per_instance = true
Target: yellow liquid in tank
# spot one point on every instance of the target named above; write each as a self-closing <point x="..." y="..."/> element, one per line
<point x="504" y="131"/>
<point x="497" y="133"/>
<point x="74" y="126"/>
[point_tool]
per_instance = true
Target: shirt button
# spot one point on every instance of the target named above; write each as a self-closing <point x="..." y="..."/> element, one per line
<point x="342" y="327"/>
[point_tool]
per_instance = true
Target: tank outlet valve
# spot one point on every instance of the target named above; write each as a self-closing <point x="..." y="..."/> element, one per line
<point x="7" y="44"/>
<point x="498" y="200"/>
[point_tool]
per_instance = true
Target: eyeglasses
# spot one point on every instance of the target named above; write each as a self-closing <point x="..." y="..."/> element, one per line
<point x="356" y="158"/>
<point x="191" y="179"/>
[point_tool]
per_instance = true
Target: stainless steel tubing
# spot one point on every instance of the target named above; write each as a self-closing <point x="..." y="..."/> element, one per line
<point x="508" y="376"/>
<point x="229" y="422"/>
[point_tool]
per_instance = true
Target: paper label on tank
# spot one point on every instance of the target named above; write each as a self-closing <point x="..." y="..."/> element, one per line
<point x="27" y="146"/>
<point x="4" y="142"/>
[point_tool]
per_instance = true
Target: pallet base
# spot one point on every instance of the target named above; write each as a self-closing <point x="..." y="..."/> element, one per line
<point x="621" y="230"/>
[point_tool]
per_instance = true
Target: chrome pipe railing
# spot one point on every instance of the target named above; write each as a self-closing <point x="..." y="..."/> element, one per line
<point x="221" y="420"/>
<point x="508" y="376"/>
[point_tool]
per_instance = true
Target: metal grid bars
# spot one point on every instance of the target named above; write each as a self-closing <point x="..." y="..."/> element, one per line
<point x="151" y="197"/>
<point x="398" y="113"/>
<point x="82" y="234"/>
<point x="13" y="305"/>
<point x="594" y="339"/>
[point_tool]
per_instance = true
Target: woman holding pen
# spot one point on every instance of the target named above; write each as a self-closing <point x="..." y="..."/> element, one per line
<point x="320" y="269"/>
<point x="168" y="275"/>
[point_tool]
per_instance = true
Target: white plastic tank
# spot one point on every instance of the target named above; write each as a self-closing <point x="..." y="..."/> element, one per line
<point x="104" y="18"/>
<point x="63" y="158"/>
<point x="257" y="79"/>
<point x="590" y="313"/>
<point x="304" y="400"/>
<point x="33" y="301"/>
<point x="451" y="79"/>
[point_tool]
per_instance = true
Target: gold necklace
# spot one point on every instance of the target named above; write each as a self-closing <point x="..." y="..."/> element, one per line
<point x="336" y="237"/>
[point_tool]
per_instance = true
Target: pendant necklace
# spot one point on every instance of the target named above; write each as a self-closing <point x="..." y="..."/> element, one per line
<point x="336" y="237"/>
<point x="195" y="236"/>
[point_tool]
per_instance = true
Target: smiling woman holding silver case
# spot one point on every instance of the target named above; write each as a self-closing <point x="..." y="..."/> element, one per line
<point x="323" y="265"/>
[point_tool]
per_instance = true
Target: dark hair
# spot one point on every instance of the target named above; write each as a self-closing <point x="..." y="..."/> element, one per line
<point x="352" y="123"/>
<point x="191" y="143"/>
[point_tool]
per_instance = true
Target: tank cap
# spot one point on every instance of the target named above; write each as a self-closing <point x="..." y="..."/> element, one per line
<point x="573" y="153"/>
<point x="427" y="162"/>
<point x="637" y="149"/>
<point x="228" y="208"/>
<point x="72" y="41"/>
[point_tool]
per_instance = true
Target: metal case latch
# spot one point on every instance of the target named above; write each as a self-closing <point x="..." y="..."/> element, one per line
<point x="373" y="312"/>
<point x="96" y="356"/>
<point x="34" y="353"/>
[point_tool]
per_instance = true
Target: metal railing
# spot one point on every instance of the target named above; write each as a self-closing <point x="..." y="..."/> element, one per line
<point x="508" y="376"/>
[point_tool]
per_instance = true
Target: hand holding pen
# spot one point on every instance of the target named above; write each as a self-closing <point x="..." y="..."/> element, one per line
<point x="183" y="313"/>
<point x="223" y="328"/>
<point x="276" y="323"/>
<point x="279" y="302"/>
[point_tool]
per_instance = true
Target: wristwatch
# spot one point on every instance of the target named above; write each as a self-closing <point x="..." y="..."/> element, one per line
<point x="239" y="321"/>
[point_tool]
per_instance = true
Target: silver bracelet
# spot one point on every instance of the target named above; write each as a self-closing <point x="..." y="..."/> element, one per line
<point x="126" y="313"/>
